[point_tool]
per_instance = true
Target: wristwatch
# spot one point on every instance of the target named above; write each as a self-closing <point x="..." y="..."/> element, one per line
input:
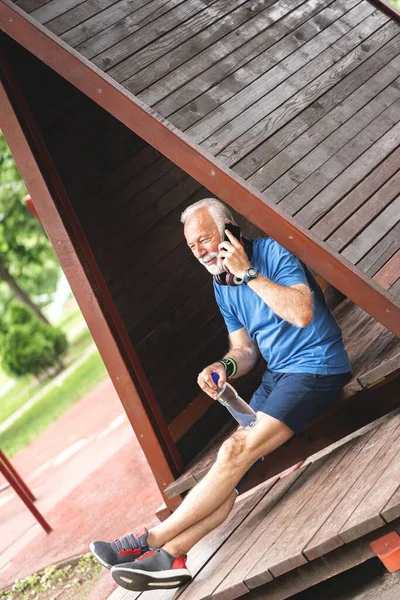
<point x="250" y="273"/>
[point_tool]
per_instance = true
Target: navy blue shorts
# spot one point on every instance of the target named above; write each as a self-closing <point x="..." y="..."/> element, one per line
<point x="296" y="398"/>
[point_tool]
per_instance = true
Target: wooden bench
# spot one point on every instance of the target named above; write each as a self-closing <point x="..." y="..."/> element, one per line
<point x="292" y="532"/>
<point x="375" y="357"/>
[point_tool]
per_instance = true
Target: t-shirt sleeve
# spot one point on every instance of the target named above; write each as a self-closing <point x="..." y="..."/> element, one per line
<point x="231" y="321"/>
<point x="287" y="269"/>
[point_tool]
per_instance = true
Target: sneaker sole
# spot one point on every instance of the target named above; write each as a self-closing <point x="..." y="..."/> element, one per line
<point x="136" y="580"/>
<point x="97" y="557"/>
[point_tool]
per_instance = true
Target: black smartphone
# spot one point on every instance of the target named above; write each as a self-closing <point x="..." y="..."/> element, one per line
<point x="234" y="229"/>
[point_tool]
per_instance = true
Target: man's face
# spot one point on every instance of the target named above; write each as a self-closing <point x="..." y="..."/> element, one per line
<point x="203" y="236"/>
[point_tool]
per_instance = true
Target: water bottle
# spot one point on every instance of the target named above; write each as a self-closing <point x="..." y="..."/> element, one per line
<point x="239" y="409"/>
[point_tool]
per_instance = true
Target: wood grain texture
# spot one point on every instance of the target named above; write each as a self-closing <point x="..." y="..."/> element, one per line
<point x="296" y="103"/>
<point x="201" y="51"/>
<point x="366" y="517"/>
<point x="317" y="133"/>
<point x="224" y="563"/>
<point x="329" y="152"/>
<point x="389" y="273"/>
<point x="374" y="232"/>
<point x="78" y="14"/>
<point x="364" y="215"/>
<point x="327" y="538"/>
<point x="300" y="201"/>
<point x="220" y="82"/>
<point x="248" y="106"/>
<point x="360" y="193"/>
<point x="391" y="510"/>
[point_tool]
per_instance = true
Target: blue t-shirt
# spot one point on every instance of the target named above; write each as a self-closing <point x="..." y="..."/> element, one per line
<point x="317" y="348"/>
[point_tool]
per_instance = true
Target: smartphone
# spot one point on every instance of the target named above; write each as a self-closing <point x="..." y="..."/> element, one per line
<point x="234" y="229"/>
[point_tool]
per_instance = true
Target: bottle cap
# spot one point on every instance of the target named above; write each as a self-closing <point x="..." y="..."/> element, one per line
<point x="215" y="378"/>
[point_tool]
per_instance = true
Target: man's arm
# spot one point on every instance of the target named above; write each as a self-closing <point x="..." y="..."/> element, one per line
<point x="242" y="349"/>
<point x="292" y="303"/>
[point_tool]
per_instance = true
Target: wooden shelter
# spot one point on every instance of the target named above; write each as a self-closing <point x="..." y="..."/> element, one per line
<point x="119" y="115"/>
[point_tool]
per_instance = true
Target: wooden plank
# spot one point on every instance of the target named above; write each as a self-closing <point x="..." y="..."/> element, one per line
<point x="299" y="201"/>
<point x="286" y="553"/>
<point x="133" y="29"/>
<point x="53" y="9"/>
<point x="204" y="49"/>
<point x="374" y="232"/>
<point x="389" y="273"/>
<point x="362" y="192"/>
<point x="367" y="517"/>
<point x="252" y="528"/>
<point x="336" y="190"/>
<point x="204" y="550"/>
<point x="385" y="61"/>
<point x="391" y="510"/>
<point x="270" y="528"/>
<point x="296" y="103"/>
<point x="379" y="254"/>
<point x="98" y="23"/>
<point x="142" y="47"/>
<point x="30" y="5"/>
<point x="372" y="376"/>
<point x="322" y="569"/>
<point x="318" y="132"/>
<point x="375" y="460"/>
<point x="245" y="102"/>
<point x="395" y="289"/>
<point x="78" y="14"/>
<point x="216" y="84"/>
<point x="328" y="154"/>
<point x="364" y="215"/>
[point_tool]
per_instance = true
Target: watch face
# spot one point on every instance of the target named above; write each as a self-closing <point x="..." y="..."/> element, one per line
<point x="252" y="272"/>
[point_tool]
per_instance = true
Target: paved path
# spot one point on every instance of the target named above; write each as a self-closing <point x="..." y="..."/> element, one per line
<point x="91" y="480"/>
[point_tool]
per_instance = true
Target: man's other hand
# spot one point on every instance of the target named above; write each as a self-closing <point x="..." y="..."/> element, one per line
<point x="206" y="382"/>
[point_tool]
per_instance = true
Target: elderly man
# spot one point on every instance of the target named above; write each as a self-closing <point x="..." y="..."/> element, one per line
<point x="271" y="304"/>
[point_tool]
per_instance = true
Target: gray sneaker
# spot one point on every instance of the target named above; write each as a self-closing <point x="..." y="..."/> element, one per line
<point x="157" y="569"/>
<point x="122" y="550"/>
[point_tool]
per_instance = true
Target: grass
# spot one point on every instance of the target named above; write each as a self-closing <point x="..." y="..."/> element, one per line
<point x="52" y="405"/>
<point x="73" y="581"/>
<point x="25" y="387"/>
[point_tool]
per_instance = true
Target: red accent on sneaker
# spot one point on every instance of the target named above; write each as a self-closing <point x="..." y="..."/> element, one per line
<point x="135" y="552"/>
<point x="179" y="563"/>
<point x="147" y="554"/>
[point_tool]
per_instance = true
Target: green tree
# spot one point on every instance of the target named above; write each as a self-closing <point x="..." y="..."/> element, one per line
<point x="30" y="346"/>
<point x="28" y="264"/>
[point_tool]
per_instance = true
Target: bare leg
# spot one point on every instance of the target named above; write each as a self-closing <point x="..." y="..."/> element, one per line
<point x="183" y="542"/>
<point x="235" y="457"/>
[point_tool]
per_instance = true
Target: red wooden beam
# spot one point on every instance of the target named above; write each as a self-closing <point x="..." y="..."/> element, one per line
<point x="22" y="490"/>
<point x="387" y="549"/>
<point x="115" y="358"/>
<point x="198" y="163"/>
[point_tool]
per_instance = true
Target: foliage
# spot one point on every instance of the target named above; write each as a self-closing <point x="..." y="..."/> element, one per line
<point x="24" y="247"/>
<point x="396" y="3"/>
<point x="52" y="405"/>
<point x="29" y="345"/>
<point x="75" y="579"/>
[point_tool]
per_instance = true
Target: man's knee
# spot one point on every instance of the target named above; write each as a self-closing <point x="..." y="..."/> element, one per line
<point x="235" y="449"/>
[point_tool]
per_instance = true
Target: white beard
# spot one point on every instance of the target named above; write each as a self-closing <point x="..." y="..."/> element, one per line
<point x="215" y="269"/>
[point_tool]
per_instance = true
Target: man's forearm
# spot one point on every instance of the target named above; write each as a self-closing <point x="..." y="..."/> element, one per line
<point x="245" y="358"/>
<point x="291" y="304"/>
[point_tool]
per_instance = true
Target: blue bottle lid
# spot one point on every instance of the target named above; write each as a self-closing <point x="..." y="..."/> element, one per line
<point x="215" y="378"/>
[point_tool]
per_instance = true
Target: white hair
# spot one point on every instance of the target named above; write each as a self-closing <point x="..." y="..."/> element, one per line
<point x="219" y="212"/>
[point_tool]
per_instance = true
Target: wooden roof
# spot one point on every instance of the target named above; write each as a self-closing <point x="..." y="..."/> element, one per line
<point x="287" y="533"/>
<point x="299" y="98"/>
